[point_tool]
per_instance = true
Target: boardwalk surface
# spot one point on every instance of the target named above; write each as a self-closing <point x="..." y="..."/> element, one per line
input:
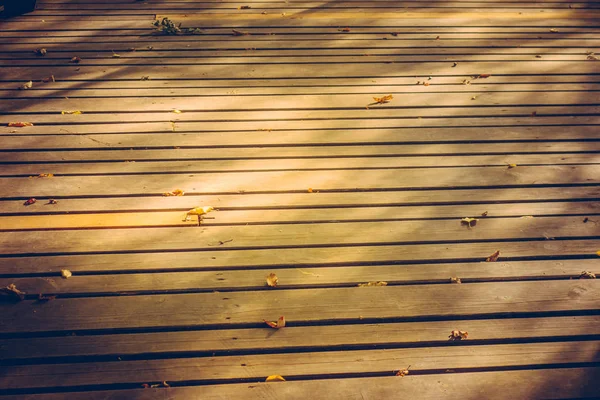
<point x="266" y="111"/>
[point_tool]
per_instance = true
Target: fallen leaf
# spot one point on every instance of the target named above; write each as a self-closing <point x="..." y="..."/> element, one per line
<point x="455" y="280"/>
<point x="176" y="192"/>
<point x="42" y="298"/>
<point x="145" y="78"/>
<point x="458" y="335"/>
<point x="74" y="112"/>
<point x="272" y="280"/>
<point x="403" y="372"/>
<point x="29" y="201"/>
<point x="383" y="100"/>
<point x="27" y="85"/>
<point x="244" y="7"/>
<point x="553" y="30"/>
<point x="275" y="378"/>
<point x="592" y="57"/>
<point x="12" y="293"/>
<point x="344" y="29"/>
<point x="493" y="257"/>
<point x="481" y="76"/>
<point x="19" y="124"/>
<point x="75" y="60"/>
<point x="239" y="33"/>
<point x="375" y="283"/>
<point x="40" y="52"/>
<point x="115" y="55"/>
<point x="484" y="214"/>
<point x="65" y="273"/>
<point x="534" y="114"/>
<point x="511" y="166"/>
<point x="52" y="201"/>
<point x="199" y="211"/>
<point x="177" y="111"/>
<point x="45" y="176"/>
<point x="598" y="253"/>
<point x="470" y="222"/>
<point x="310" y="190"/>
<point x="454" y="65"/>
<point x="587" y="275"/>
<point x="526" y="216"/>
<point x="49" y="79"/>
<point x="276" y="325"/>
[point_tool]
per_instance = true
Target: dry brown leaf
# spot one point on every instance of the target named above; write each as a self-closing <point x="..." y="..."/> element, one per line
<point x="482" y="76"/>
<point x="275" y="378"/>
<point x="374" y="283"/>
<point x="45" y="176"/>
<point x="30" y="201"/>
<point x="493" y="257"/>
<point x="11" y="292"/>
<point x="52" y="201"/>
<point x="455" y="280"/>
<point x="19" y="124"/>
<point x="75" y="60"/>
<point x="470" y="222"/>
<point x="344" y="29"/>
<point x="384" y="99"/>
<point x="65" y="273"/>
<point x="484" y="214"/>
<point x="403" y="372"/>
<point x="239" y="33"/>
<point x="458" y="335"/>
<point x="43" y="298"/>
<point x="26" y="85"/>
<point x="49" y="79"/>
<point x="587" y="275"/>
<point x="40" y="52"/>
<point x="272" y="280"/>
<point x="244" y="7"/>
<point x="176" y="192"/>
<point x="280" y="323"/>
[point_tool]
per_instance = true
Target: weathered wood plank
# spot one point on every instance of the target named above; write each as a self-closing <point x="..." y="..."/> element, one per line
<point x="216" y="183"/>
<point x="297" y="258"/>
<point x="258" y="367"/>
<point x="328" y="336"/>
<point x="199" y="281"/>
<point x="242" y="217"/>
<point x="506" y="385"/>
<point x="303" y="305"/>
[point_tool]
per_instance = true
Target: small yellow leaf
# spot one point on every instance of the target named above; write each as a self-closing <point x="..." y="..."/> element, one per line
<point x="75" y="112"/>
<point x="280" y="323"/>
<point x="455" y="280"/>
<point x="275" y="378"/>
<point x="587" y="275"/>
<point x="511" y="166"/>
<point x="384" y="99"/>
<point x="272" y="280"/>
<point x="45" y="176"/>
<point x="200" y="210"/>
<point x="598" y="253"/>
<point x="27" y="85"/>
<point x="403" y="372"/>
<point x="470" y="222"/>
<point x="177" y="111"/>
<point x="65" y="273"/>
<point x="375" y="283"/>
<point x="115" y="55"/>
<point x="176" y="192"/>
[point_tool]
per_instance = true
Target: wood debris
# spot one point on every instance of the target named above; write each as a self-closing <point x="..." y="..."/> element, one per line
<point x="403" y="372"/>
<point x="19" y="124"/>
<point x="455" y="280"/>
<point x="272" y="280"/>
<point x="176" y="192"/>
<point x="11" y="292"/>
<point x="458" y="335"/>
<point x="244" y="7"/>
<point x="493" y="257"/>
<point x="280" y="323"/>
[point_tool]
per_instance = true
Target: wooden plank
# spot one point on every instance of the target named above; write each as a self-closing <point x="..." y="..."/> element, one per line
<point x="329" y="336"/>
<point x="133" y="168"/>
<point x="304" y="235"/>
<point x="505" y="385"/>
<point x="216" y="183"/>
<point x="201" y="281"/>
<point x="334" y="102"/>
<point x="258" y="367"/>
<point x="301" y="306"/>
<point x="297" y="257"/>
<point x="286" y="201"/>
<point x="243" y="217"/>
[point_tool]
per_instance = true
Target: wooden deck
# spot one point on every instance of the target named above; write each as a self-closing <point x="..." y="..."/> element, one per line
<point x="266" y="114"/>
